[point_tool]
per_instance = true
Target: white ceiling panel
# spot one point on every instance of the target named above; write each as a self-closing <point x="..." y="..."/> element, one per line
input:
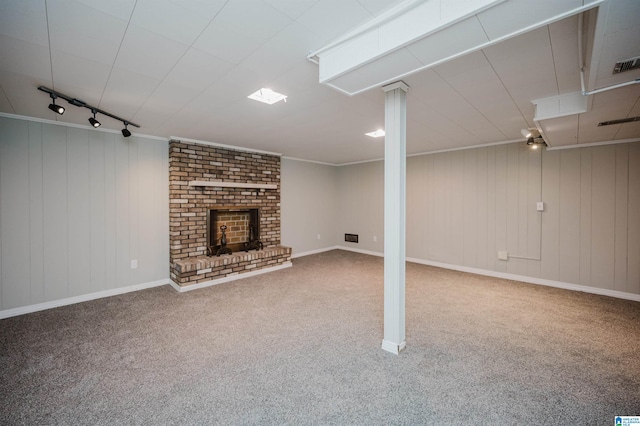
<point x="226" y="44"/>
<point x="120" y="9"/>
<point x="24" y="20"/>
<point x="22" y="95"/>
<point x="28" y="59"/>
<point x="323" y="20"/>
<point x="126" y="91"/>
<point x="166" y="100"/>
<point x="186" y="67"/>
<point x="198" y="69"/>
<point x="169" y="19"/>
<point x="147" y="53"/>
<point x="78" y="77"/>
<point x="98" y="46"/>
<point x="252" y="18"/>
<point x="292" y="8"/>
<point x="509" y="17"/>
<point x="564" y="46"/>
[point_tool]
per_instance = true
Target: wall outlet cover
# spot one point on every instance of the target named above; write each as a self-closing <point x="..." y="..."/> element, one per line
<point x="503" y="255"/>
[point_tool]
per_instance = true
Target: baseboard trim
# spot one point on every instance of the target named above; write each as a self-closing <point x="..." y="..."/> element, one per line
<point x="357" y="250"/>
<point x="228" y="278"/>
<point x="514" y="277"/>
<point x="7" y="313"/>
<point x="394" y="348"/>
<point x="531" y="280"/>
<point x="316" y="251"/>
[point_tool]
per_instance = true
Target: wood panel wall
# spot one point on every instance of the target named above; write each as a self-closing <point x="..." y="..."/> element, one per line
<point x="76" y="206"/>
<point x="465" y="206"/>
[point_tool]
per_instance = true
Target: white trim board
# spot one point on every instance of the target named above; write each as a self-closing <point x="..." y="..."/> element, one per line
<point x="235" y="276"/>
<point x="7" y="313"/>
<point x="316" y="251"/>
<point x="522" y="278"/>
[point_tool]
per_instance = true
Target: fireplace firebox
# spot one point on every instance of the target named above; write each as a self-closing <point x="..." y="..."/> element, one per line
<point x="232" y="229"/>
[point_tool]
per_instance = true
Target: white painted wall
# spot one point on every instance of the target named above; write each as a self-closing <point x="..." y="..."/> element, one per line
<point x="465" y="206"/>
<point x="309" y="205"/>
<point x="76" y="206"/>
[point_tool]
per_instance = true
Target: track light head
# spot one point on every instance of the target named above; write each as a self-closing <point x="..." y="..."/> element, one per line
<point x="53" y="107"/>
<point x="56" y="108"/>
<point x="95" y="123"/>
<point x="125" y="132"/>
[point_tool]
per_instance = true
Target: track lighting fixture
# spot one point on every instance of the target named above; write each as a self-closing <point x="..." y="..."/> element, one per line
<point x="125" y="132"/>
<point x="81" y="104"/>
<point x="53" y="107"/>
<point x="93" y="121"/>
<point x="533" y="137"/>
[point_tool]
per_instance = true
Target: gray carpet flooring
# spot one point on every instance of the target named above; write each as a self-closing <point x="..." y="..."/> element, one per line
<point x="302" y="346"/>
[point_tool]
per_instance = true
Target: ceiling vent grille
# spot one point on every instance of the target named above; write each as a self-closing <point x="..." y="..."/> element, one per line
<point x="627" y="65"/>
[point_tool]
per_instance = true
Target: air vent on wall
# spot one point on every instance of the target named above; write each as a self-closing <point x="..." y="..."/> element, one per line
<point x="351" y="238"/>
<point x="627" y="65"/>
<point x="619" y="121"/>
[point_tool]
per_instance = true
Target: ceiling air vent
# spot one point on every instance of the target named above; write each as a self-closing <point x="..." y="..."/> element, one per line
<point x="627" y="65"/>
<point x="619" y="121"/>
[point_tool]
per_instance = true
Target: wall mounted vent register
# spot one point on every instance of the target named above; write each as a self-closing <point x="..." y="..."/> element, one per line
<point x="351" y="238"/>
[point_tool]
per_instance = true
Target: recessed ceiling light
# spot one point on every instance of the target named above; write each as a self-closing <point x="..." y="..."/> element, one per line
<point x="267" y="96"/>
<point x="377" y="134"/>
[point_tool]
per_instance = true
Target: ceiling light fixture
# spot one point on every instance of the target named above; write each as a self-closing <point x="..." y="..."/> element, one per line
<point x="267" y="96"/>
<point x="81" y="104"/>
<point x="377" y="134"/>
<point x="53" y="107"/>
<point x="125" y="132"/>
<point x="93" y="121"/>
<point x="533" y="137"/>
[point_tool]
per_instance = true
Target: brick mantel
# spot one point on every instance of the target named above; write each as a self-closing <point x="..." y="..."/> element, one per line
<point x="204" y="177"/>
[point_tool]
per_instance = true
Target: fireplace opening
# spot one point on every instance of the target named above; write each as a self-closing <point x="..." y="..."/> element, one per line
<point x="241" y="227"/>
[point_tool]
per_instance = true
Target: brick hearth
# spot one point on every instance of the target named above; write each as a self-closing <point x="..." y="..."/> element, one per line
<point x="191" y="165"/>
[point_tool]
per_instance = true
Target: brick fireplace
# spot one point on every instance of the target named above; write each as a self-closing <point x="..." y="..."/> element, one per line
<point x="209" y="183"/>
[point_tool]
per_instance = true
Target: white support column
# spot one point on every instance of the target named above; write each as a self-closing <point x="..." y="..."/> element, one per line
<point x="395" y="159"/>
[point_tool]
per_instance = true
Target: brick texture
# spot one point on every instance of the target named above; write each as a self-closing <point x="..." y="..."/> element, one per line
<point x="188" y="205"/>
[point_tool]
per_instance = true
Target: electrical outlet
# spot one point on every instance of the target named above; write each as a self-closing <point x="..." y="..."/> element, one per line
<point x="134" y="264"/>
<point x="318" y="236"/>
<point x="375" y="239"/>
<point x="503" y="255"/>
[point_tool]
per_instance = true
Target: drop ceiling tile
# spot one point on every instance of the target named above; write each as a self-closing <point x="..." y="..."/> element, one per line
<point x="26" y="58"/>
<point x="120" y="9"/>
<point x="166" y="100"/>
<point x="126" y="91"/>
<point x="85" y="20"/>
<point x="226" y="44"/>
<point x="515" y="15"/>
<point x="331" y="19"/>
<point x="198" y="69"/>
<point x="252" y="18"/>
<point x="292" y="8"/>
<point x="564" y="45"/>
<point x="206" y="9"/>
<point x="147" y="53"/>
<point x="168" y="19"/>
<point x="24" y="20"/>
<point x="78" y="77"/>
<point x="5" y="105"/>
<point x="616" y="47"/>
<point x="22" y="94"/>
<point x="99" y="46"/>
<point x="378" y="7"/>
